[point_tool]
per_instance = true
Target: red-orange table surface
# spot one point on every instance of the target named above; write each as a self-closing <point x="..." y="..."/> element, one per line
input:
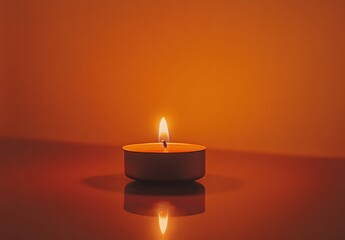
<point x="51" y="190"/>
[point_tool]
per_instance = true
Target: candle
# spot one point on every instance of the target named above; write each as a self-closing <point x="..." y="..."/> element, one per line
<point x="164" y="161"/>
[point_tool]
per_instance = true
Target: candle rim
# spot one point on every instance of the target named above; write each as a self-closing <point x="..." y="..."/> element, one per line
<point x="198" y="148"/>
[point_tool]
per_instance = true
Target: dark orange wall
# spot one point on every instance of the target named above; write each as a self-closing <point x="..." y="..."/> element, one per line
<point x="249" y="75"/>
<point x="3" y="92"/>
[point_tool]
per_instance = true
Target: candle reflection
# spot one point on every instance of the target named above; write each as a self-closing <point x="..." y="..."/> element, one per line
<point x="181" y="199"/>
<point x="164" y="201"/>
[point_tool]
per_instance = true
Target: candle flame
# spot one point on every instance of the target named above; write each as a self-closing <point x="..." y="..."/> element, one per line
<point x="163" y="134"/>
<point x="163" y="217"/>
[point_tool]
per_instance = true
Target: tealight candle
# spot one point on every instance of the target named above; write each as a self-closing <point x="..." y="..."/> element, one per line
<point x="164" y="161"/>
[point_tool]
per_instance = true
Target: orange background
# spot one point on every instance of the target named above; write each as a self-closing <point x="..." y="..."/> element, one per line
<point x="264" y="76"/>
<point x="3" y="92"/>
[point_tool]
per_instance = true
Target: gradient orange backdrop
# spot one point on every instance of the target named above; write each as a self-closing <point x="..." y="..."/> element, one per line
<point x="263" y="76"/>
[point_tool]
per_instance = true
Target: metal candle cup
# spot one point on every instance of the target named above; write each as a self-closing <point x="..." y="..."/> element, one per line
<point x="154" y="162"/>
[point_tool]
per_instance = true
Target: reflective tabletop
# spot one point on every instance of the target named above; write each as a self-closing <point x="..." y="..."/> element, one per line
<point x="55" y="190"/>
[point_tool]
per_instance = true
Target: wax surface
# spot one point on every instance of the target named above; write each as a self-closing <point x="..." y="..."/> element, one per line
<point x="158" y="148"/>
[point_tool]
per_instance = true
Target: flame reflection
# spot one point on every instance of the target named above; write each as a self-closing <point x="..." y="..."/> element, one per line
<point x="163" y="218"/>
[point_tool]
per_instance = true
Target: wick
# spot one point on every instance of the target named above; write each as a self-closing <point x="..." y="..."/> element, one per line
<point x="165" y="145"/>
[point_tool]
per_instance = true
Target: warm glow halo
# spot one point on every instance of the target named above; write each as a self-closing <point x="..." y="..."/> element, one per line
<point x="163" y="134"/>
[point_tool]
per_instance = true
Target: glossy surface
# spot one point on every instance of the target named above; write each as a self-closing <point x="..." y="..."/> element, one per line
<point x="71" y="191"/>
